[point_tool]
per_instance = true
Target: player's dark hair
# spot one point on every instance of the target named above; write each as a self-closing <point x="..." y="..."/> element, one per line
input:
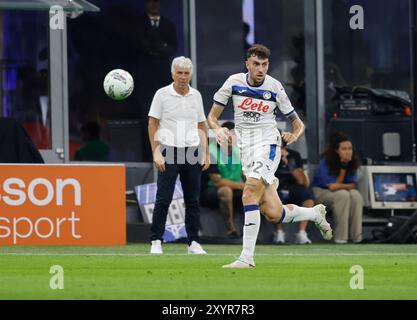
<point x="258" y="50"/>
<point x="333" y="159"/>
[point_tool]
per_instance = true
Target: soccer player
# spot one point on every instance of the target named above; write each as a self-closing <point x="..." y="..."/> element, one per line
<point x="256" y="99"/>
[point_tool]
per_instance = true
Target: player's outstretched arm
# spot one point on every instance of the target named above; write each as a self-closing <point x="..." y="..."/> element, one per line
<point x="222" y="134"/>
<point x="297" y="129"/>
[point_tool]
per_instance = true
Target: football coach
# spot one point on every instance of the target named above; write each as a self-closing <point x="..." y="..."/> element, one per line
<point x="178" y="136"/>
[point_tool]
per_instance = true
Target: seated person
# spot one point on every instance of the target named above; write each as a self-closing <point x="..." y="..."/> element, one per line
<point x="335" y="185"/>
<point x="93" y="149"/>
<point x="222" y="183"/>
<point x="293" y="188"/>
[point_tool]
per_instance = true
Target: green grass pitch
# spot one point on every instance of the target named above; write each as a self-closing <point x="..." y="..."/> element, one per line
<point x="315" y="271"/>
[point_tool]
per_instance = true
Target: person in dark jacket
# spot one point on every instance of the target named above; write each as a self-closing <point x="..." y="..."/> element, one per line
<point x="157" y="47"/>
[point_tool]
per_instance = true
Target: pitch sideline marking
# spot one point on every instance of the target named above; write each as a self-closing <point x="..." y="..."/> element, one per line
<point x="209" y="254"/>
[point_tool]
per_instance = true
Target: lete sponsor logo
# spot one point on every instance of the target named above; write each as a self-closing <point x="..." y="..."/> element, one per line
<point x="249" y="104"/>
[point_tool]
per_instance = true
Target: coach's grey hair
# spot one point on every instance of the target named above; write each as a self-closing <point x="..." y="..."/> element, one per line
<point x="182" y="62"/>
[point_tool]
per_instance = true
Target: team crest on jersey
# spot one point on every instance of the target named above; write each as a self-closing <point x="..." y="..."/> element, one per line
<point x="267" y="95"/>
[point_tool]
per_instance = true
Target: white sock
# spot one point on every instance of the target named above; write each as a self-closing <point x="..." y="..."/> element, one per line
<point x="250" y="230"/>
<point x="297" y="214"/>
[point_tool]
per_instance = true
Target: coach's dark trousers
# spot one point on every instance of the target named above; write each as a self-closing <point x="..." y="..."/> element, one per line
<point x="190" y="174"/>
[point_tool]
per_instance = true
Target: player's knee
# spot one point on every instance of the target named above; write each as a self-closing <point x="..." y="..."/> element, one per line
<point x="272" y="213"/>
<point x="253" y="191"/>
<point x="250" y="195"/>
<point x="269" y="219"/>
<point x="273" y="218"/>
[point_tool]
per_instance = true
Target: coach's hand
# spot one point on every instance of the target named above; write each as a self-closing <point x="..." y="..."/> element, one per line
<point x="159" y="161"/>
<point x="222" y="135"/>
<point x="288" y="137"/>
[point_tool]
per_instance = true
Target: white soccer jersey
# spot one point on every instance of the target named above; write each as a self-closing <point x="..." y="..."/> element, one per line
<point x="255" y="107"/>
<point x="255" y="125"/>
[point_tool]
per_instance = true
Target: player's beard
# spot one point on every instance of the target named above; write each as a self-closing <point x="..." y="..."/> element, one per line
<point x="258" y="79"/>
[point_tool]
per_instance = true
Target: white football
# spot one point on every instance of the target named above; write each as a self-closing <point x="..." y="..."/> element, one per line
<point x="118" y="84"/>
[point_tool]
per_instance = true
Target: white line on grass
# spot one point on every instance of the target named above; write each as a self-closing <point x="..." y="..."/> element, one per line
<point x="209" y="254"/>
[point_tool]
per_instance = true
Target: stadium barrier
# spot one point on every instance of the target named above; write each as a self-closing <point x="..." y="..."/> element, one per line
<point x="62" y="204"/>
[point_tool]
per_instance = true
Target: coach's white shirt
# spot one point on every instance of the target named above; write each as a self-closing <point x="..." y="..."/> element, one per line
<point x="178" y="116"/>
